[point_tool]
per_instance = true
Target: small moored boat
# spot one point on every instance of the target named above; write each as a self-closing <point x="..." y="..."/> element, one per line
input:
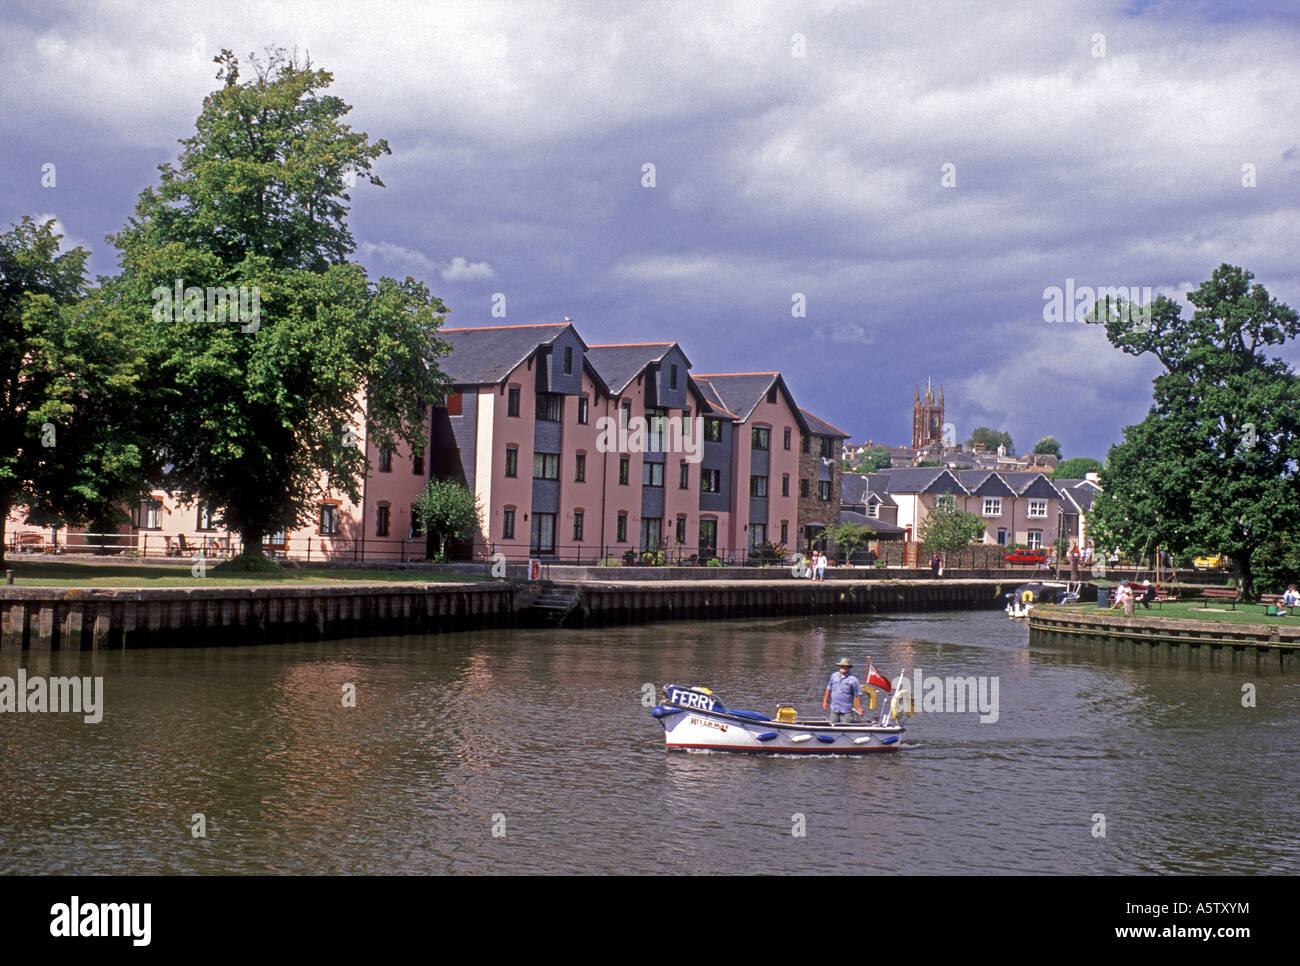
<point x="1022" y="600"/>
<point x="696" y="718"/>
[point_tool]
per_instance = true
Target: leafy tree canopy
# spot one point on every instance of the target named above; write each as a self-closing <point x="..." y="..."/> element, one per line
<point x="1048" y="444"/>
<point x="1213" y="467"/>
<point x="275" y="359"/>
<point x="1077" y="468"/>
<point x="946" y="528"/>
<point x="991" y="439"/>
<point x="448" y="510"/>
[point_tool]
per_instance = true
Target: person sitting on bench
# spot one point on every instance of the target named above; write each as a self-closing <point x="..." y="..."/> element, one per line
<point x="1290" y="599"/>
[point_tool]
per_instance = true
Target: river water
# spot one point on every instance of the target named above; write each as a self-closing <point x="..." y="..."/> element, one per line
<point x="532" y="751"/>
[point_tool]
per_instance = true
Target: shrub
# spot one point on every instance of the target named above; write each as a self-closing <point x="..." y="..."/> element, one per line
<point x="247" y="563"/>
<point x="609" y="562"/>
<point x="714" y="562"/>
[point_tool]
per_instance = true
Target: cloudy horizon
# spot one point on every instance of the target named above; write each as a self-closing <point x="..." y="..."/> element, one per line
<point x="915" y="176"/>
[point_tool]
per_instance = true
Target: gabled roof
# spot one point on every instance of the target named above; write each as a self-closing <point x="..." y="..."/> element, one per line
<point x="620" y="363"/>
<point x="741" y="392"/>
<point x="819" y="427"/>
<point x="1029" y="480"/>
<point x="876" y="524"/>
<point x="985" y="483"/>
<point x="1078" y="494"/>
<point x="922" y="479"/>
<point x="485" y="355"/>
<point x="859" y="488"/>
<point x="710" y="396"/>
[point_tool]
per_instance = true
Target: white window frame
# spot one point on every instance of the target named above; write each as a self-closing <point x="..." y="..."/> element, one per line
<point x="1035" y="539"/>
<point x="992" y="506"/>
<point x="1037" y="510"/>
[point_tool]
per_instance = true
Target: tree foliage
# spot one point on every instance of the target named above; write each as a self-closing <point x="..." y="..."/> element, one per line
<point x="991" y="439"/>
<point x="849" y="538"/>
<point x="947" y="528"/>
<point x="257" y="408"/>
<point x="1213" y="468"/>
<point x="448" y="510"/>
<point x="876" y="458"/>
<point x="68" y="407"/>
<point x="1076" y="468"/>
<point x="1048" y="444"/>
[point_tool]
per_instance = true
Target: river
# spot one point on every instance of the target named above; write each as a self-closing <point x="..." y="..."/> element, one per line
<point x="532" y="751"/>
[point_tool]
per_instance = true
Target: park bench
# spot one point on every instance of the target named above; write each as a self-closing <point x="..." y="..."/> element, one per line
<point x="1221" y="593"/>
<point x="29" y="541"/>
<point x="1271" y="602"/>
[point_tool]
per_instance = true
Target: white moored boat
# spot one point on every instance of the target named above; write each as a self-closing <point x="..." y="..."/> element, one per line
<point x="696" y="718"/>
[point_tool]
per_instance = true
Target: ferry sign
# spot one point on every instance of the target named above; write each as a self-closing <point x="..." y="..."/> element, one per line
<point x="687" y="698"/>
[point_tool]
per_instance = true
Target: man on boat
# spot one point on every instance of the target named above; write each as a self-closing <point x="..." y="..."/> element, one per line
<point x="843" y="694"/>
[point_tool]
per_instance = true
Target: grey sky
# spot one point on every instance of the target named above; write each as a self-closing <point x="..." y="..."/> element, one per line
<point x="520" y="130"/>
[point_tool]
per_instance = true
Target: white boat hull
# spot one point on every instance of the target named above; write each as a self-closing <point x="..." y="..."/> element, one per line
<point x="690" y="729"/>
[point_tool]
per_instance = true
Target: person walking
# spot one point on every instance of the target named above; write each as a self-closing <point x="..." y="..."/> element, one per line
<point x="843" y="696"/>
<point x="821" y="565"/>
<point x="936" y="565"/>
<point x="1074" y="564"/>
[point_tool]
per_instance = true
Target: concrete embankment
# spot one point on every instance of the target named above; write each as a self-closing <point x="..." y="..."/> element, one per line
<point x="1211" y="639"/>
<point x="39" y="618"/>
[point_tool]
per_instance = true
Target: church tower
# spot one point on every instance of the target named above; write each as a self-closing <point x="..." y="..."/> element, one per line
<point x="927" y="417"/>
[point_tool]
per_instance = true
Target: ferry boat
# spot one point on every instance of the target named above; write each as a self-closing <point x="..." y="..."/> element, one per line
<point x="695" y="718"/>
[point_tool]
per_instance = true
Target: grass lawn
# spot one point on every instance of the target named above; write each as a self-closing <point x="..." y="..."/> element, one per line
<point x="67" y="574"/>
<point x="1194" y="610"/>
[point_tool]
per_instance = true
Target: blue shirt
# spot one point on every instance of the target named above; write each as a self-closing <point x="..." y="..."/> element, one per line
<point x="843" y="688"/>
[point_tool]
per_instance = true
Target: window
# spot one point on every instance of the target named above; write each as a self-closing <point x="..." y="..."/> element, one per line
<point x="582" y="410"/>
<point x="652" y="530"/>
<point x="945" y="500"/>
<point x="1035" y="539"/>
<point x="512" y="401"/>
<point x="624" y="413"/>
<point x="684" y="475"/>
<point x="568" y="359"/>
<point x="873" y="510"/>
<point x="512" y="461"/>
<point x="417" y="462"/>
<point x="672" y="378"/>
<point x="542" y="537"/>
<point x="787" y="446"/>
<point x="758" y="486"/>
<point x="757" y="535"/>
<point x="785" y="530"/>
<point x="711" y="482"/>
<point x="654" y="430"/>
<point x="713" y="431"/>
<point x="652" y="474"/>
<point x="686" y="424"/>
<point x="508" y="524"/>
<point x="580" y="468"/>
<point x="546" y="466"/>
<point x="577" y="526"/>
<point x="381" y="520"/>
<point x="415" y="527"/>
<point x="204" y="521"/>
<point x="785" y="487"/>
<point x="760" y="437"/>
<point x="803" y="489"/>
<point x="549" y="406"/>
<point x="708" y="538"/>
<point x="385" y="461"/>
<point x="1002" y="537"/>
<point x="824" y="491"/>
<point x="681" y="529"/>
<point x="622" y="527"/>
<point x="624" y="463"/>
<point x="152" y="514"/>
<point x="454" y="404"/>
<point x="329" y="519"/>
<point x="992" y="506"/>
<point x="771" y="395"/>
<point x="1037" y="508"/>
<point x="827" y="447"/>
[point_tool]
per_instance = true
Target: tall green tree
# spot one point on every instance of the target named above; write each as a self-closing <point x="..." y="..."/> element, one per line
<point x="1214" y="466"/>
<point x="991" y="439"/>
<point x="68" y="377"/>
<point x="1048" y="444"/>
<point x="1076" y="468"/>
<point x="270" y="346"/>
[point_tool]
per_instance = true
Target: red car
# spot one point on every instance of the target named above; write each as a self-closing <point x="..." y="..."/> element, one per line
<point x="1026" y="556"/>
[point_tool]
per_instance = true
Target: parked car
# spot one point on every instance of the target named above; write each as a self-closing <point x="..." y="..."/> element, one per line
<point x="1215" y="562"/>
<point x="1026" y="556"/>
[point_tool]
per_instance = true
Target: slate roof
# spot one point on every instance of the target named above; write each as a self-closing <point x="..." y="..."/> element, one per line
<point x="819" y="427"/>
<point x="1080" y="493"/>
<point x="486" y="355"/>
<point x="854" y="488"/>
<point x="879" y="526"/>
<point x="619" y="364"/>
<point x="710" y="396"/>
<point x="740" y="392"/>
<point x="921" y="479"/>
